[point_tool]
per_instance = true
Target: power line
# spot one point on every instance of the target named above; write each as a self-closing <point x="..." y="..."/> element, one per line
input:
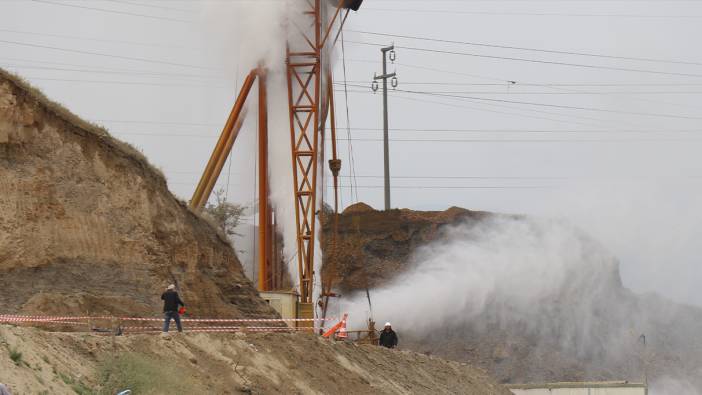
<point x="352" y="168"/>
<point x="134" y="3"/>
<point x="509" y="13"/>
<point x="452" y="140"/>
<point x="157" y="122"/>
<point x="594" y="109"/>
<point x="105" y="10"/>
<point x="138" y="83"/>
<point x="71" y="37"/>
<point x="549" y="62"/>
<point x="451" y="187"/>
<point x="527" y="49"/>
<point x="430" y="130"/>
<point x="69" y="50"/>
<point x="547" y="178"/>
<point x="568" y="92"/>
<point x="628" y="140"/>
<point x="111" y="71"/>
<point x="516" y="84"/>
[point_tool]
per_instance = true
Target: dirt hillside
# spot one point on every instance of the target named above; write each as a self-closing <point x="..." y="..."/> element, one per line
<point x="87" y="226"/>
<point x="56" y="363"/>
<point x="376" y="247"/>
<point x="372" y="246"/>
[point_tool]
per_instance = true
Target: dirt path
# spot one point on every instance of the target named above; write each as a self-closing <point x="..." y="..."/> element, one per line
<point x="37" y="362"/>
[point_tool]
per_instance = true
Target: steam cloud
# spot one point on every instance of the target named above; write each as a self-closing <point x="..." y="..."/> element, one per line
<point x="531" y="278"/>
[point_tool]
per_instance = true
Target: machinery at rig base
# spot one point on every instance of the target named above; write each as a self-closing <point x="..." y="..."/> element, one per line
<point x="309" y="109"/>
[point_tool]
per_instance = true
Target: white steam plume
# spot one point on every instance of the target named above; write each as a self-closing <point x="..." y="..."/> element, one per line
<point x="521" y="262"/>
<point x="542" y="284"/>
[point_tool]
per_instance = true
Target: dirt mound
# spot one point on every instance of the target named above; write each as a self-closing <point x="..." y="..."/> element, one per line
<point x="59" y="363"/>
<point x="375" y="248"/>
<point x="87" y="226"/>
<point x="358" y="208"/>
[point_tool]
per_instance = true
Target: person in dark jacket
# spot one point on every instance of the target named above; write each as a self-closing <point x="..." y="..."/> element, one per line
<point x="171" y="301"/>
<point x="388" y="337"/>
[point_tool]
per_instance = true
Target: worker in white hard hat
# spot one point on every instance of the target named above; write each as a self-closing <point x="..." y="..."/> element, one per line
<point x="388" y="337"/>
<point x="171" y="301"/>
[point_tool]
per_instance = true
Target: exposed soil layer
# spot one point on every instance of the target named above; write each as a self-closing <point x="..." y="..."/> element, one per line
<point x="372" y="247"/>
<point x="87" y="226"/>
<point x="61" y="363"/>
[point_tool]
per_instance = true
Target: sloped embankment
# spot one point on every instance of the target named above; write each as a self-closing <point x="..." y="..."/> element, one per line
<point x="87" y="226"/>
<point x="60" y="363"/>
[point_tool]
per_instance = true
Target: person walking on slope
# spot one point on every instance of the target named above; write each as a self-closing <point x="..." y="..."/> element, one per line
<point x="388" y="337"/>
<point x="171" y="301"/>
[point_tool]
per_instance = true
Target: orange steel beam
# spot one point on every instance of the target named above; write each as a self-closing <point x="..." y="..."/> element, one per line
<point x="304" y="81"/>
<point x="222" y="149"/>
<point x="264" y="259"/>
<point x="222" y="159"/>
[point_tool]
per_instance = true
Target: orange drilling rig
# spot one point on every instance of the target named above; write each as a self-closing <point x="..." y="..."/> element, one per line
<point x="310" y="105"/>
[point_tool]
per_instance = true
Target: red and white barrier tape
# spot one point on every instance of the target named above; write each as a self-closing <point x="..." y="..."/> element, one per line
<point x="27" y="318"/>
<point x="238" y="328"/>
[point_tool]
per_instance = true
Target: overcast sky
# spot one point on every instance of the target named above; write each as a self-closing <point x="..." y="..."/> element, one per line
<point x="595" y="117"/>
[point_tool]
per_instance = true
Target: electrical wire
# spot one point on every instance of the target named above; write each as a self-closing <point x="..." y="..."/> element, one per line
<point x="83" y="38"/>
<point x="352" y="169"/>
<point x="476" y="44"/>
<point x="527" y="60"/>
<point x="593" y="109"/>
<point x="508" y="13"/>
<point x="106" y="10"/>
<point x="106" y="55"/>
<point x="108" y="71"/>
<point x="134" y="3"/>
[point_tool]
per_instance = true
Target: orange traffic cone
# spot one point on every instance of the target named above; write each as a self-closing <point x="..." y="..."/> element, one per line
<point x="342" y="330"/>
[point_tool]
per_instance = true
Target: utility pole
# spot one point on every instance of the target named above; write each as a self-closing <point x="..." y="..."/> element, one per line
<point x="386" y="143"/>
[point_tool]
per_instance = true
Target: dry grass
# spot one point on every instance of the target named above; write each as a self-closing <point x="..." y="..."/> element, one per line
<point x="143" y="375"/>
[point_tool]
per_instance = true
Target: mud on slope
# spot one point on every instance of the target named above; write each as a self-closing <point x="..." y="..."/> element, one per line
<point x="224" y="364"/>
<point x="87" y="226"/>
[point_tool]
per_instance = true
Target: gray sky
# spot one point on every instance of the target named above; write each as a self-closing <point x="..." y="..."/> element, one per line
<point x="611" y="144"/>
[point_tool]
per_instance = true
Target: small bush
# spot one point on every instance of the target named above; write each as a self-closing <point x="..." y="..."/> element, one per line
<point x="143" y="375"/>
<point x="15" y="356"/>
<point x="68" y="380"/>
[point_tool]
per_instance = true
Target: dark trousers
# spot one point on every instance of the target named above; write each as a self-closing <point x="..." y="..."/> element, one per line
<point x="167" y="316"/>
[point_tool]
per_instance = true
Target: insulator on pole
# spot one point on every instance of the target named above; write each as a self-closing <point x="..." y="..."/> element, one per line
<point x="374" y="86"/>
<point x="393" y="56"/>
<point x="394" y="82"/>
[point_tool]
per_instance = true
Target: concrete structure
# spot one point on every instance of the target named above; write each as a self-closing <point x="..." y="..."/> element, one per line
<point x="284" y="302"/>
<point x="585" y="388"/>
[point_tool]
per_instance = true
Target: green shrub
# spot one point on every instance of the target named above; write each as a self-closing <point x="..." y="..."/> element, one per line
<point x="143" y="375"/>
<point x="15" y="356"/>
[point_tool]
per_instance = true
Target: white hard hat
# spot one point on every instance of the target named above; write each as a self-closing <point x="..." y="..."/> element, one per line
<point x="172" y="286"/>
<point x="387" y="324"/>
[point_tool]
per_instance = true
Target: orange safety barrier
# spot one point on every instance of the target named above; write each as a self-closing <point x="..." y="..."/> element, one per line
<point x="341" y="327"/>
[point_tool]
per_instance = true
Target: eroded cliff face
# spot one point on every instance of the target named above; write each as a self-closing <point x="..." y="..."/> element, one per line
<point x="88" y="226"/>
